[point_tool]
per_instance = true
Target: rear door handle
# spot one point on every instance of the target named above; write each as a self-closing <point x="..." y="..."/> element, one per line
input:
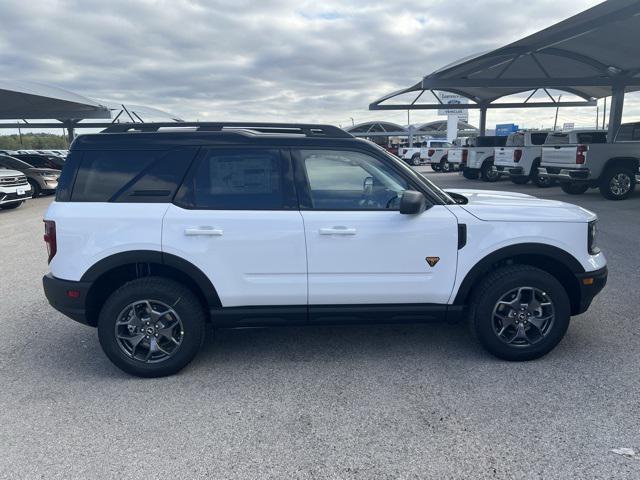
<point x="339" y="230"/>
<point x="205" y="231"/>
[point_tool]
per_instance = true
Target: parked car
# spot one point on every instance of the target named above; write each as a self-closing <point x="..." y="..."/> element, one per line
<point x="520" y="158"/>
<point x="152" y="235"/>
<point x="41" y="180"/>
<point x="477" y="158"/>
<point x="435" y="154"/>
<point x="14" y="189"/>
<point x="582" y="159"/>
<point x="41" y="161"/>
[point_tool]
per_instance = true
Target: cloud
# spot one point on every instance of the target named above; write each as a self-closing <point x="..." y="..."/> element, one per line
<point x="281" y="60"/>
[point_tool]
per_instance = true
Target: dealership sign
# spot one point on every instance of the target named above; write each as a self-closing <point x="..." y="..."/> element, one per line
<point x="451" y="100"/>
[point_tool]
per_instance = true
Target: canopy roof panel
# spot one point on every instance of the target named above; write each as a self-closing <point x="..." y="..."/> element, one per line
<point x="30" y="100"/>
<point x="376" y="126"/>
<point x="587" y="55"/>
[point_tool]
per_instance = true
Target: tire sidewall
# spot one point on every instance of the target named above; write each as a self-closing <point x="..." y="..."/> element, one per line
<point x="605" y="186"/>
<point x="179" y="298"/>
<point x="484" y="312"/>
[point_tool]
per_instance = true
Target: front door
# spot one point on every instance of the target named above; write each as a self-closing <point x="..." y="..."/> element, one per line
<point x="360" y="249"/>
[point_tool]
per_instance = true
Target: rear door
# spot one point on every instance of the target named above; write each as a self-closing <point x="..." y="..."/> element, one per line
<point x="360" y="249"/>
<point x="236" y="218"/>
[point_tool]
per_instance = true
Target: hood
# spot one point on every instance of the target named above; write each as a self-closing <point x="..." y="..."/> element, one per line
<point x="50" y="171"/>
<point x="493" y="205"/>
<point x="6" y="172"/>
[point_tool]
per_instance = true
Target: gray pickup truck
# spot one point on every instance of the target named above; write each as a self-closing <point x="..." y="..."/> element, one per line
<point x="582" y="159"/>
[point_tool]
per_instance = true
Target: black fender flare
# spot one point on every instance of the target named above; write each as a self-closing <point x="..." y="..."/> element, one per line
<point x="483" y="266"/>
<point x="152" y="256"/>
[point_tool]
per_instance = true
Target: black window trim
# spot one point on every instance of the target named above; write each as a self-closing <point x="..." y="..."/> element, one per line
<point x="304" y="189"/>
<point x="181" y="198"/>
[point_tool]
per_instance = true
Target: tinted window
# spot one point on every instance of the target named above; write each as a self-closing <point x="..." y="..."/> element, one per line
<point x="538" y="138"/>
<point x="13" y="163"/>
<point x="628" y="133"/>
<point x="592" y="137"/>
<point x="40" y="162"/>
<point x="515" y="140"/>
<point x="130" y="176"/>
<point x="251" y="179"/>
<point x="344" y="180"/>
<point x="490" y="141"/>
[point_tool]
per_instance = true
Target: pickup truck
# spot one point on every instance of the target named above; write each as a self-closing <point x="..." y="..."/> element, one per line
<point x="14" y="189"/>
<point x="476" y="158"/>
<point x="520" y="158"/>
<point x="435" y="154"/>
<point x="414" y="155"/>
<point x="581" y="159"/>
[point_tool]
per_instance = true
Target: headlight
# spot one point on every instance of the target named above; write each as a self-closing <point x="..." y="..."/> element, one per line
<point x="592" y="230"/>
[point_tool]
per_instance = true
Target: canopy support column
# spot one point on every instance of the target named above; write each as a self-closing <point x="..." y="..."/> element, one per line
<point x="615" y="112"/>
<point x="483" y="121"/>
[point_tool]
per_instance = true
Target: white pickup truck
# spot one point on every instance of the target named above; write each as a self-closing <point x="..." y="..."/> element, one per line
<point x="435" y="154"/>
<point x="14" y="189"/>
<point x="414" y="155"/>
<point x="581" y="159"/>
<point x="520" y="158"/>
<point x="476" y="157"/>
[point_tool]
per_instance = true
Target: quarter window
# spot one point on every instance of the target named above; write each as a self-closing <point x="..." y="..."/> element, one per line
<point x="346" y="180"/>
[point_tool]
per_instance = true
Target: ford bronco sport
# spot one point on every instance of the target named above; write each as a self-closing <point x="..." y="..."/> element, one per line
<point x="157" y="231"/>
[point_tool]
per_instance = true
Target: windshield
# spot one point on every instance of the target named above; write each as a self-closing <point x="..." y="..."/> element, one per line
<point x="14" y="163"/>
<point x="437" y="191"/>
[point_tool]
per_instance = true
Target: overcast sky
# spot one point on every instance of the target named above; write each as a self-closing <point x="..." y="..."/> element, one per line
<point x="284" y="60"/>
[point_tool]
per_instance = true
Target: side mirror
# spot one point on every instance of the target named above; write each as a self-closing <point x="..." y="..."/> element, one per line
<point x="412" y="203"/>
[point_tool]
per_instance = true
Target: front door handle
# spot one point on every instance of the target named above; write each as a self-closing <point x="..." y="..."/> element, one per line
<point x="338" y="230"/>
<point x="204" y="231"/>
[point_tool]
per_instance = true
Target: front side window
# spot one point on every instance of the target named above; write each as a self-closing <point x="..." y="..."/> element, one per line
<point x="250" y="179"/>
<point x="347" y="180"/>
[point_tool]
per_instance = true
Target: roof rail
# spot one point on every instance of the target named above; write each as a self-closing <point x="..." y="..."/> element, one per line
<point x="308" y="130"/>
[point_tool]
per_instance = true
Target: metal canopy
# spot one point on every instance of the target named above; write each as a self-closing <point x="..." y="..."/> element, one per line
<point x="22" y="99"/>
<point x="591" y="55"/>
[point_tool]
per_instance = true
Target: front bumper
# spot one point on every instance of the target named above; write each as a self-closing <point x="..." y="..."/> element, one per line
<point x="591" y="283"/>
<point x="73" y="306"/>
<point x="565" y="174"/>
<point x="12" y="194"/>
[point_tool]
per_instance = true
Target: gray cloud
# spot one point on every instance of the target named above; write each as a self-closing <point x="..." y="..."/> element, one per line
<point x="270" y="60"/>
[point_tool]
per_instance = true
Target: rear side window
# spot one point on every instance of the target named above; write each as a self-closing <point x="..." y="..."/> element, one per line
<point x="130" y="176"/>
<point x="239" y="179"/>
<point x="592" y="137"/>
<point x="628" y="133"/>
<point x="515" y="140"/>
<point x="490" y="141"/>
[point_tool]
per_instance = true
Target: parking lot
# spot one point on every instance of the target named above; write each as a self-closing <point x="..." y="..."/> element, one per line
<point x="324" y="402"/>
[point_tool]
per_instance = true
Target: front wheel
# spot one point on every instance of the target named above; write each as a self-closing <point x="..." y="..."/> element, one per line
<point x="574" y="188"/>
<point x="445" y="166"/>
<point x="151" y="327"/>
<point x="617" y="183"/>
<point x="519" y="313"/>
<point x="11" y="206"/>
<point x="35" y="188"/>
<point x="436" y="167"/>
<point x="538" y="180"/>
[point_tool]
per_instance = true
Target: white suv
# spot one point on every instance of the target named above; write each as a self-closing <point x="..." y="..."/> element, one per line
<point x="155" y="233"/>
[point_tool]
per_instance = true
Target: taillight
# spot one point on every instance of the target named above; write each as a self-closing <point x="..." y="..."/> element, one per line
<point x="430" y="152"/>
<point x="581" y="154"/>
<point x="517" y="155"/>
<point x="465" y="154"/>
<point x="50" y="238"/>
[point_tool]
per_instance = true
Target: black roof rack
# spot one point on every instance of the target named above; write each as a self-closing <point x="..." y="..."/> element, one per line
<point x="308" y="130"/>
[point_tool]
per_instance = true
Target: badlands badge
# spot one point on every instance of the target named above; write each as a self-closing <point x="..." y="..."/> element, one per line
<point x="432" y="261"/>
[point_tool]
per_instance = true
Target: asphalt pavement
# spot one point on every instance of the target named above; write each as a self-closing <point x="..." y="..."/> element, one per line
<point x="361" y="402"/>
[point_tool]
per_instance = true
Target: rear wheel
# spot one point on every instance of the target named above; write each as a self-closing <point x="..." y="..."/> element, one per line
<point x="617" y="183"/>
<point x="470" y="174"/>
<point x="415" y="160"/>
<point x="11" y="206"/>
<point x="574" y="188"/>
<point x="151" y="327"/>
<point x="519" y="313"/>
<point x="488" y="172"/>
